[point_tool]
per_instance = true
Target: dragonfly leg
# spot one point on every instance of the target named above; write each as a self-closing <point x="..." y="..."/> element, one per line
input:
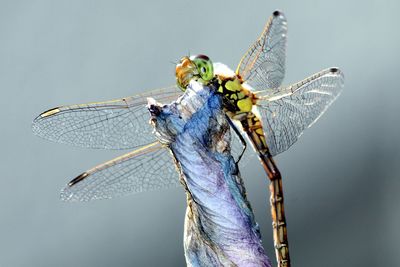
<point x="241" y="138"/>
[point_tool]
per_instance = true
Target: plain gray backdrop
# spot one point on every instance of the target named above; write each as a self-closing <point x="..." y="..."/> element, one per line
<point x="341" y="179"/>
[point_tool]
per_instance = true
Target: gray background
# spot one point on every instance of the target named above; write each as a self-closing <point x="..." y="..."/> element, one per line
<point x="341" y="180"/>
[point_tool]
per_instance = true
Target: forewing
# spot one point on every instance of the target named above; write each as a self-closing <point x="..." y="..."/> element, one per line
<point x="286" y="114"/>
<point x="115" y="124"/>
<point x="145" y="169"/>
<point x="263" y="65"/>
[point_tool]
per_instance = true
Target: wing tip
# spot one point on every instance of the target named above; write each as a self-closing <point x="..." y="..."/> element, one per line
<point x="336" y="71"/>
<point x="36" y="121"/>
<point x="36" y="129"/>
<point x="78" y="179"/>
<point x="49" y="112"/>
<point x="277" y="13"/>
<point x="67" y="194"/>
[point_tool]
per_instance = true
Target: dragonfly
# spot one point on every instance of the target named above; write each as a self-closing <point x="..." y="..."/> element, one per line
<point x="271" y="116"/>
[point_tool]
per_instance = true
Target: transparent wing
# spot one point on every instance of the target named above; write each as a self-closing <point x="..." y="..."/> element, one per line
<point x="115" y="124"/>
<point x="237" y="147"/>
<point x="145" y="169"/>
<point x="286" y="114"/>
<point x="263" y="65"/>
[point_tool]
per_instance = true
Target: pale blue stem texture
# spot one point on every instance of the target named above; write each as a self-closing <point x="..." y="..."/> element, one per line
<point x="220" y="229"/>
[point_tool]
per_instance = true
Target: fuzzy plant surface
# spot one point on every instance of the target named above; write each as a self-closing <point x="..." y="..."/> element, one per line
<point x="220" y="229"/>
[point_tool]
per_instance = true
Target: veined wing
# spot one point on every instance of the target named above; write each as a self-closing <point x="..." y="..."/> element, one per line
<point x="148" y="168"/>
<point x="115" y="124"/>
<point x="263" y="65"/>
<point x="237" y="147"/>
<point x="286" y="114"/>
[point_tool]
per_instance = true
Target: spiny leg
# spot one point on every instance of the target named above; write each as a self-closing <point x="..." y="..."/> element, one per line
<point x="241" y="138"/>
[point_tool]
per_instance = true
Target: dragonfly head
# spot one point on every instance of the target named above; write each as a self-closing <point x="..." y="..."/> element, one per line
<point x="198" y="67"/>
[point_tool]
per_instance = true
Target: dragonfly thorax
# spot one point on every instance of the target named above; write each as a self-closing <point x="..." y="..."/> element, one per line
<point x="237" y="99"/>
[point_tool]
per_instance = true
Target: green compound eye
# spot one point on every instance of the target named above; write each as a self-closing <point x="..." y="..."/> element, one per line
<point x="204" y="66"/>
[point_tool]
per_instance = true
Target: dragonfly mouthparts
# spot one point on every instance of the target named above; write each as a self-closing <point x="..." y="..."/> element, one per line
<point x="185" y="71"/>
